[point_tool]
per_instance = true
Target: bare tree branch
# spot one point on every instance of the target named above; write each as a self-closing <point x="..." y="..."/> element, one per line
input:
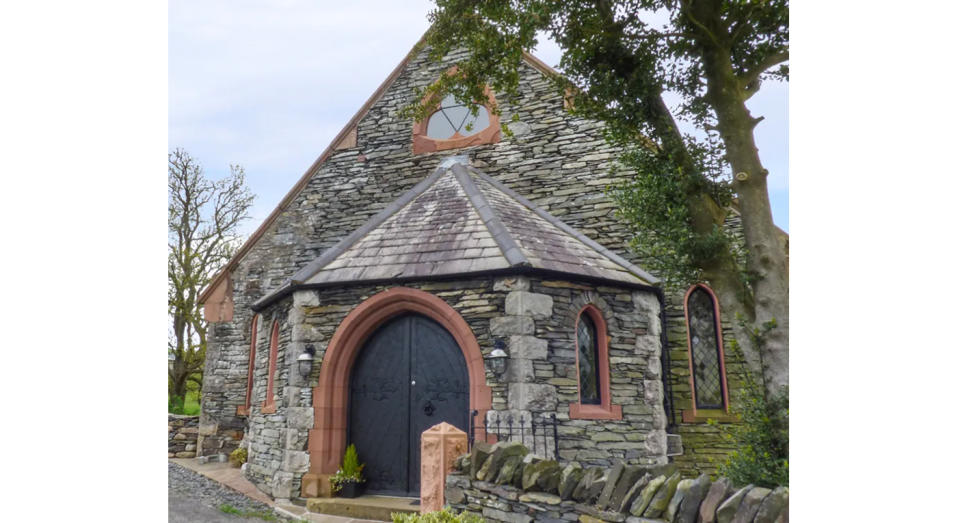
<point x="203" y="219"/>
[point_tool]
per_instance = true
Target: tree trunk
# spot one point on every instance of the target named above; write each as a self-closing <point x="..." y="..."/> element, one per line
<point x="721" y="272"/>
<point x="766" y="258"/>
<point x="180" y="376"/>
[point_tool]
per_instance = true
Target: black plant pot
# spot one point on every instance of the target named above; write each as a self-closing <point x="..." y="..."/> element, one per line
<point x="351" y="489"/>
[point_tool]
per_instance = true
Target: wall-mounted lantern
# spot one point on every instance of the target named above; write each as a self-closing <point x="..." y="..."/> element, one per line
<point x="498" y="358"/>
<point x="305" y="361"/>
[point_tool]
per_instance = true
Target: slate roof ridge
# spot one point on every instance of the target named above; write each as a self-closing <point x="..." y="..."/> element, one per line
<point x="507" y="244"/>
<point x="553" y="220"/>
<point x="378" y="219"/>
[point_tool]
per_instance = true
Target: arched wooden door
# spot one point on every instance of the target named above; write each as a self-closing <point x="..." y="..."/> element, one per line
<point x="409" y="376"/>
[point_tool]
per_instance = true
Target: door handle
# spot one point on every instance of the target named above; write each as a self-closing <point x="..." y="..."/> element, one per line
<point x="429" y="409"/>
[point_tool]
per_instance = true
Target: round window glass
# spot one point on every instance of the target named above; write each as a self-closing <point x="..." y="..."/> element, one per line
<point x="453" y="118"/>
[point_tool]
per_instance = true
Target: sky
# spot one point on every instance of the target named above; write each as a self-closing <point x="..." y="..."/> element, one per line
<point x="268" y="84"/>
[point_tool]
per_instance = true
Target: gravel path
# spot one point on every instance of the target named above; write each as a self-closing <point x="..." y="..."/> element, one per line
<point x="192" y="497"/>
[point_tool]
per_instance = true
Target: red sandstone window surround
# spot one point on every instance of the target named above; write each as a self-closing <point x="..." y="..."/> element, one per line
<point x="593" y="368"/>
<point x="270" y="402"/>
<point x="448" y="119"/>
<point x="244" y="410"/>
<point x="709" y="397"/>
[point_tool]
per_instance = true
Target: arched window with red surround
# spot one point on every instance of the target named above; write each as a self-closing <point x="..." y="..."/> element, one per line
<point x="451" y="124"/>
<point x="708" y="378"/>
<point x="244" y="410"/>
<point x="593" y="368"/>
<point x="270" y="401"/>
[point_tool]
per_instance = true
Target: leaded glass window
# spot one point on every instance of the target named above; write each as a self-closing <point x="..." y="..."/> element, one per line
<point x="453" y="118"/>
<point x="588" y="358"/>
<point x="704" y="350"/>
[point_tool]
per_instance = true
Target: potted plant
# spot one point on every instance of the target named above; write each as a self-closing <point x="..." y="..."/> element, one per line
<point x="348" y="481"/>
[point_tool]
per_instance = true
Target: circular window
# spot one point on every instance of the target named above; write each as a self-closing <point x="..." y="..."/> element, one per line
<point x="452" y="126"/>
<point x="454" y="119"/>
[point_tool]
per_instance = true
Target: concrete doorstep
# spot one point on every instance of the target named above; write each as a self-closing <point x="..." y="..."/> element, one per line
<point x="370" y="508"/>
<point x="300" y="513"/>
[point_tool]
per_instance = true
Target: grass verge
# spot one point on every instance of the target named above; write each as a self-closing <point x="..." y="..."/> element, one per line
<point x="265" y="515"/>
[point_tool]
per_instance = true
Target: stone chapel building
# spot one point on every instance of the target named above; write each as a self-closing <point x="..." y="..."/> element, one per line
<point x="435" y="271"/>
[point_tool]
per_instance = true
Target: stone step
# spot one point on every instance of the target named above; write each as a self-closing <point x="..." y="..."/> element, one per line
<point x="377" y="508"/>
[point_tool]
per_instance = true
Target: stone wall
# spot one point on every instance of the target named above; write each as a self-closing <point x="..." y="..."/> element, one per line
<point x="182" y="436"/>
<point x="535" y="317"/>
<point x="703" y="444"/>
<point x="634" y="349"/>
<point x="503" y="483"/>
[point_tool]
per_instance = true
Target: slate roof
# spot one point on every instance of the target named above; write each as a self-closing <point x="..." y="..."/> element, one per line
<point x="459" y="221"/>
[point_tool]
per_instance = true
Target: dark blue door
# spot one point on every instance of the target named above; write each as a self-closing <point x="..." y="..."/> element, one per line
<point x="409" y="376"/>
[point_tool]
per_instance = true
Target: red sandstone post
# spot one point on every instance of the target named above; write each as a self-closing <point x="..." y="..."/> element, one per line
<point x="440" y="445"/>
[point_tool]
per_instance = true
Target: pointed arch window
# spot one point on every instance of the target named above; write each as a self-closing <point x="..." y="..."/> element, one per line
<point x="708" y="380"/>
<point x="593" y="368"/>
<point x="244" y="410"/>
<point x="270" y="401"/>
<point x="588" y="361"/>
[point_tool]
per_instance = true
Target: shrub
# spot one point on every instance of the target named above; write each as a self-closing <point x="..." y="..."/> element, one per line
<point x="175" y="404"/>
<point x="350" y="470"/>
<point x="762" y="438"/>
<point x="238" y="457"/>
<point x="441" y="516"/>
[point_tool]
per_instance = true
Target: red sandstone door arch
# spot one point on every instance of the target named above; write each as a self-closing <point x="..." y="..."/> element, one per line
<point x="327" y="440"/>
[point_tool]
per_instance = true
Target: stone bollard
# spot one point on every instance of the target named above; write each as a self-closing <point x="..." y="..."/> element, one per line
<point x="440" y="445"/>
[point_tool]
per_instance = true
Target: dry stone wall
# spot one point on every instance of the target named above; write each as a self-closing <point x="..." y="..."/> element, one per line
<point x="502" y="482"/>
<point x="182" y="436"/>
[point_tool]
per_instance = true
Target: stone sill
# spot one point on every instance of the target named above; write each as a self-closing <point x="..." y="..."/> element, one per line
<point x="268" y="408"/>
<point x="701" y="416"/>
<point x="610" y="412"/>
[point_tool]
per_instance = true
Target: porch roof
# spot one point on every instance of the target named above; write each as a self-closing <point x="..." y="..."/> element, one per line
<point x="460" y="221"/>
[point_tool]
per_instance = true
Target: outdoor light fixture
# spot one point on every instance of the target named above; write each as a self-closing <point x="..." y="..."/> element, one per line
<point x="498" y="358"/>
<point x="305" y="361"/>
